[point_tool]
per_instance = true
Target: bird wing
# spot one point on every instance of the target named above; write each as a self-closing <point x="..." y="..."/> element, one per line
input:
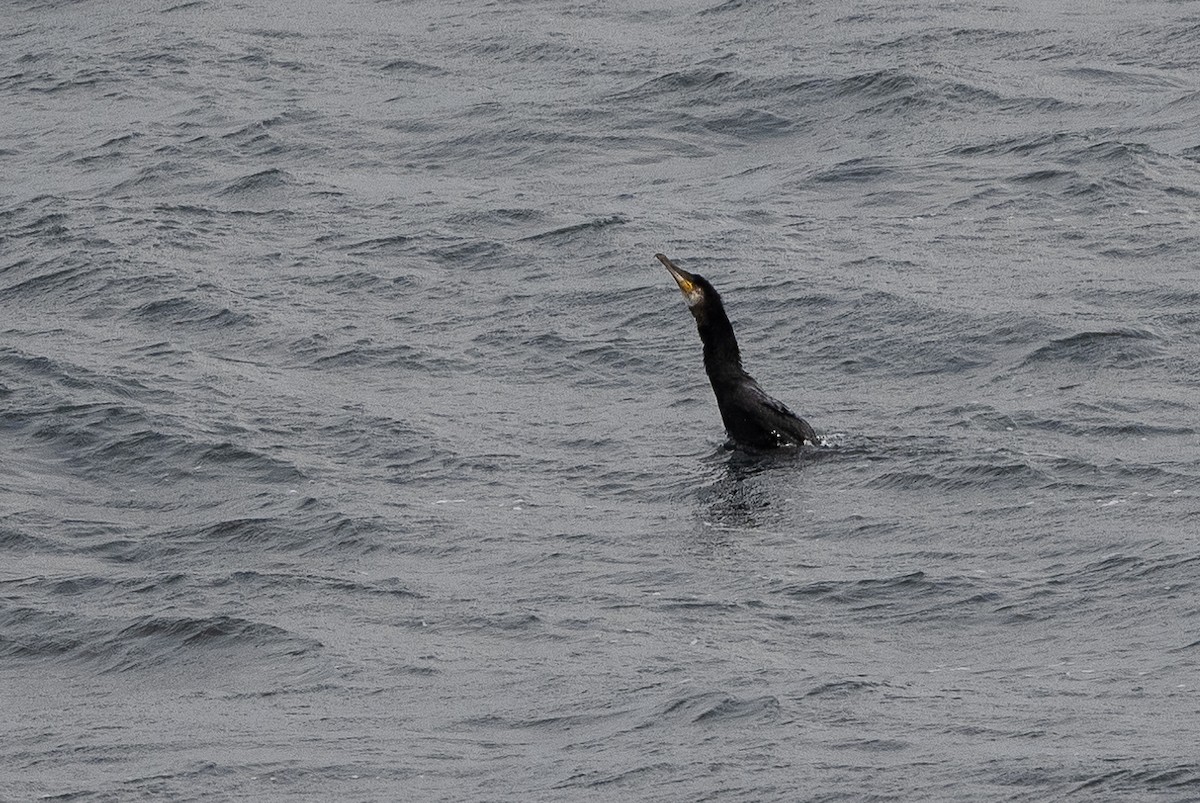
<point x="775" y="415"/>
<point x="789" y="423"/>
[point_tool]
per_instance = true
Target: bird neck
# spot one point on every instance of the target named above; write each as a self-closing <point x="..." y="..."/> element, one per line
<point x="722" y="358"/>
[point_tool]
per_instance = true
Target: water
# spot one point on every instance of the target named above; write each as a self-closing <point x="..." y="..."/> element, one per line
<point x="355" y="445"/>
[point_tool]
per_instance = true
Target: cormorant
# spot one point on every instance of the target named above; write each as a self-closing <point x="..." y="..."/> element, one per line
<point x="752" y="418"/>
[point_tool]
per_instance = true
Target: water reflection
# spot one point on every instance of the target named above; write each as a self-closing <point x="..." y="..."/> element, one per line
<point x="740" y="497"/>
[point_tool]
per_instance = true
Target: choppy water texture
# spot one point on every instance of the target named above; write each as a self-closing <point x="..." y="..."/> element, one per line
<point x="356" y="447"/>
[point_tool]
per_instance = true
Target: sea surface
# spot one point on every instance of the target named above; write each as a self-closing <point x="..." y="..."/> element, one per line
<point x="354" y="446"/>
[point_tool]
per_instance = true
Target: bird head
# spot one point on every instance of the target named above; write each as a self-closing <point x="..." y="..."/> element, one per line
<point x="695" y="288"/>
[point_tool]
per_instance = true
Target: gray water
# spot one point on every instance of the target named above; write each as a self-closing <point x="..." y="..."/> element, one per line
<point x="355" y="446"/>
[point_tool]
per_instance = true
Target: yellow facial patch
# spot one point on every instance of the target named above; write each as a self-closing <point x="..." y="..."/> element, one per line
<point x="686" y="285"/>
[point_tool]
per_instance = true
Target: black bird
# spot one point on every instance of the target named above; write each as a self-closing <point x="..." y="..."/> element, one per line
<point x="752" y="419"/>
